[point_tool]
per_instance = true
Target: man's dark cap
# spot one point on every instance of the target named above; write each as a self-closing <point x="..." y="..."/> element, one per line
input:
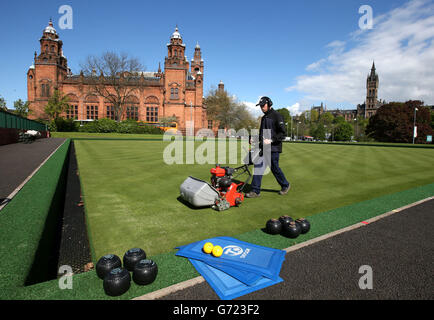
<point x="265" y="100"/>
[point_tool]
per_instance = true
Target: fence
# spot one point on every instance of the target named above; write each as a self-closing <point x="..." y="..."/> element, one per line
<point x="12" y="121"/>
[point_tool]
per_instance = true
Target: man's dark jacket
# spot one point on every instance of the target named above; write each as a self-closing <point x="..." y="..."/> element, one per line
<point x="273" y="120"/>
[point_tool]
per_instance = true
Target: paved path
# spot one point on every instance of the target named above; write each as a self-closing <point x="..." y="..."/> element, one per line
<point x="19" y="160"/>
<point x="399" y="248"/>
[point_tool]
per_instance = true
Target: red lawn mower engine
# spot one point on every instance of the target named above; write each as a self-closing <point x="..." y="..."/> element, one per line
<point x="230" y="191"/>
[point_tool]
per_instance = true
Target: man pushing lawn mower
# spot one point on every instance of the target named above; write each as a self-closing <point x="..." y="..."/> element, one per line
<point x="225" y="191"/>
<point x="271" y="134"/>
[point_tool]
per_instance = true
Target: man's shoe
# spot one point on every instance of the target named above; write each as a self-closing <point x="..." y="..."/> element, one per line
<point x="284" y="191"/>
<point x="251" y="194"/>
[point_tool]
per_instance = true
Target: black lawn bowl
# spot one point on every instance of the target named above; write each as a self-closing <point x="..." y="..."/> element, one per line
<point x="273" y="226"/>
<point x="291" y="230"/>
<point x="117" y="282"/>
<point x="145" y="272"/>
<point x="304" y="225"/>
<point x="132" y="256"/>
<point x="285" y="220"/>
<point x="106" y="264"/>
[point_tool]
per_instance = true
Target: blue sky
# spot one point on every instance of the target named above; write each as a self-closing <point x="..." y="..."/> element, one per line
<point x="297" y="52"/>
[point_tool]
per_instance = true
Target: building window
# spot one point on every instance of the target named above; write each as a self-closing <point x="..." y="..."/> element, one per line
<point x="152" y="114"/>
<point x="72" y="112"/>
<point x="110" y="112"/>
<point x="174" y="93"/>
<point x="92" y="112"/>
<point x="45" y="90"/>
<point x="132" y="112"/>
<point x="210" y="124"/>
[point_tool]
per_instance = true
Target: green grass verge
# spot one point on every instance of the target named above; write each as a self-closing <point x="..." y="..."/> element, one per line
<point x="28" y="224"/>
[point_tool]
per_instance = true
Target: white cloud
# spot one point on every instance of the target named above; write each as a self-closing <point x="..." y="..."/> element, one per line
<point x="402" y="45"/>
<point x="253" y="109"/>
<point x="295" y="109"/>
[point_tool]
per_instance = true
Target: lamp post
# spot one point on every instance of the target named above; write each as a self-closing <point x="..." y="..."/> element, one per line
<point x="287" y="129"/>
<point x="414" y="124"/>
<point x="291" y="126"/>
<point x="297" y="128"/>
<point x="356" y="127"/>
<point x="191" y="117"/>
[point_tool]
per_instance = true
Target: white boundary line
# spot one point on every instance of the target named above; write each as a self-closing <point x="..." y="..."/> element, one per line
<point x="192" y="282"/>
<point x="12" y="195"/>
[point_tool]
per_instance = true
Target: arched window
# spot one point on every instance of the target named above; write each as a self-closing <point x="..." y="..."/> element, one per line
<point x="92" y="103"/>
<point x="110" y="109"/>
<point x="174" y="93"/>
<point x="45" y="90"/>
<point x="151" y="104"/>
<point x="72" y="110"/>
<point x="132" y="108"/>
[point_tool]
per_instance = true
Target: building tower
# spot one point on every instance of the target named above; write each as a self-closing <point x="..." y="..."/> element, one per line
<point x="197" y="62"/>
<point x="48" y="70"/>
<point x="183" y="86"/>
<point x="372" y="93"/>
<point x="221" y="87"/>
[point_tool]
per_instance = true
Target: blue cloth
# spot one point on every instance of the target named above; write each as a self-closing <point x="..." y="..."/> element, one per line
<point x="227" y="287"/>
<point x="248" y="278"/>
<point x="245" y="257"/>
<point x="275" y="169"/>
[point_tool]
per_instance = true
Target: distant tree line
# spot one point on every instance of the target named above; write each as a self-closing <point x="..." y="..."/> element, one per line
<point x="393" y="122"/>
<point x="323" y="127"/>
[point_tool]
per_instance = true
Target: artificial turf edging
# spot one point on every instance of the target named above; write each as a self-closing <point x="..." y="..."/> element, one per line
<point x="29" y="225"/>
<point x="173" y="269"/>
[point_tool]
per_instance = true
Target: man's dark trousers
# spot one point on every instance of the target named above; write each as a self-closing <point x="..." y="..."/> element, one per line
<point x="275" y="169"/>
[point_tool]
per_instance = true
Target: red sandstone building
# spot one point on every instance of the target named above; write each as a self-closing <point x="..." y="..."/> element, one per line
<point x="177" y="91"/>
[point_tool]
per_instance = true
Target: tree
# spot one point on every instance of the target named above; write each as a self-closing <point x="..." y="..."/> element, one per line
<point x="243" y="118"/>
<point x="227" y="112"/>
<point x="3" y="104"/>
<point x="57" y="104"/>
<point x="285" y="114"/>
<point x="115" y="77"/>
<point x="394" y="121"/>
<point x="314" y="116"/>
<point x="343" y="131"/>
<point x="318" y="132"/>
<point x="22" y="108"/>
<point x="432" y="120"/>
<point x="360" y="128"/>
<point x="326" y="119"/>
<point x="339" y="120"/>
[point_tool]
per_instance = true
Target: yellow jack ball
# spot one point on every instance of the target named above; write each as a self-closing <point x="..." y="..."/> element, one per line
<point x="207" y="247"/>
<point x="217" y="251"/>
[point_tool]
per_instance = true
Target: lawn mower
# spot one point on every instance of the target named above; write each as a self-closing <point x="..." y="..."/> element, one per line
<point x="223" y="192"/>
